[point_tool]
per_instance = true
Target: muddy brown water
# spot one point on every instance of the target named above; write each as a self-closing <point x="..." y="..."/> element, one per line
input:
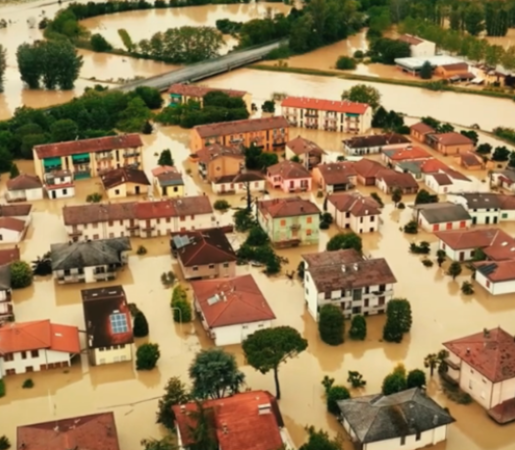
<point x="440" y="313"/>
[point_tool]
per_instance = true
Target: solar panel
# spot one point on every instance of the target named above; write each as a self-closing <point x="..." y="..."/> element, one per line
<point x="181" y="241"/>
<point x="487" y="269"/>
<point x="119" y="323"/>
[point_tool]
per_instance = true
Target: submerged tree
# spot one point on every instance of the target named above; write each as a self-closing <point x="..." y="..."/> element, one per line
<point x="175" y="394"/>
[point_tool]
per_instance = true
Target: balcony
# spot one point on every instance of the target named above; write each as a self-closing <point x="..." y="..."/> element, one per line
<point x="295" y="226"/>
<point x="311" y="114"/>
<point x="75" y="278"/>
<point x="131" y="154"/>
<point x="132" y="227"/>
<point x="103" y="156"/>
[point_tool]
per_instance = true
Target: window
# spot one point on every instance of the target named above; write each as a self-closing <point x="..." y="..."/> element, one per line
<point x="110" y="223"/>
<point x="176" y="189"/>
<point x="34" y="353"/>
<point x="308" y="232"/>
<point x="117" y="192"/>
<point x="381" y="301"/>
<point x="403" y="440"/>
<point x="167" y="220"/>
<point x="226" y="264"/>
<point x="328" y="295"/>
<point x="121" y="222"/>
<point x="366" y="303"/>
<point x="382" y="287"/>
<point x="192" y="217"/>
<point x="367" y="290"/>
<point x="487" y="283"/>
<point x="119" y="323"/>
<point x="417" y="436"/>
<point x="122" y="345"/>
<point x="195" y="268"/>
<point x="1" y="238"/>
<point x="8" y="357"/>
<point x="470" y="384"/>
<point x="283" y="223"/>
<point x="211" y="266"/>
<point x="504" y="215"/>
<point x="65" y="191"/>
<point x="372" y="218"/>
<point x="182" y="218"/>
<point x="101" y="349"/>
<point x="361" y="220"/>
<point x="23" y="355"/>
<point x="309" y="219"/>
<point x="245" y="327"/>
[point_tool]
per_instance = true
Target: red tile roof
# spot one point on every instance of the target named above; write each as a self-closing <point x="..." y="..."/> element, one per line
<point x="92" y="432"/>
<point x="497" y="271"/>
<point x="422" y="128"/>
<point x="471" y="159"/>
<point x="479" y="238"/>
<point x="341" y="106"/>
<point x="336" y="172"/>
<point x="432" y="165"/>
<point x="167" y="176"/>
<point x="288" y="170"/>
<point x="236" y="421"/>
<point x="39" y="335"/>
<point x="121" y="175"/>
<point x="406" y="154"/>
<point x="442" y="179"/>
<point x="88" y="145"/>
<point x="463" y="67"/>
<point x="23" y="182"/>
<point x="231" y="301"/>
<point x="20" y="209"/>
<point x="192" y="90"/>
<point x="300" y="146"/>
<point x="368" y="168"/>
<point x="452" y="138"/>
<point x="491" y="353"/>
<point x="356" y="204"/>
<point x="401" y="180"/>
<point x="9" y="255"/>
<point x="241" y="126"/>
<point x="287" y="207"/>
<point x="455" y="174"/>
<point x="10" y="223"/>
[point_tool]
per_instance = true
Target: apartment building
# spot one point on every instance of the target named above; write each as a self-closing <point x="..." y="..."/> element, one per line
<point x="328" y="115"/>
<point x="88" y="158"/>
<point x="268" y="133"/>
<point x="218" y="161"/>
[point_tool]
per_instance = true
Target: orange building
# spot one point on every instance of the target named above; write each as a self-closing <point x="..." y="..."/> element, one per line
<point x="270" y="133"/>
<point x="450" y="143"/>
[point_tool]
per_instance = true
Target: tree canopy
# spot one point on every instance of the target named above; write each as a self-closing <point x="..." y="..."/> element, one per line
<point x="342" y="241"/>
<point x="330" y="324"/>
<point x="363" y="93"/>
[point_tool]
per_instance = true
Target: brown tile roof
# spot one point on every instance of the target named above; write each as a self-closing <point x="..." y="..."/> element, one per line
<point x="236" y="422"/>
<point x="92" y="432"/>
<point x="20" y="209"/>
<point x="337" y="172"/>
<point x="174" y="207"/>
<point x="209" y="246"/>
<point x="346" y="269"/>
<point x="471" y="159"/>
<point x="89" y="145"/>
<point x="406" y="154"/>
<point x="442" y="179"/>
<point x="455" y="174"/>
<point x="192" y="90"/>
<point x="398" y="179"/>
<point x="300" y="146"/>
<point x="231" y="301"/>
<point x="507" y="201"/>
<point x="122" y="175"/>
<point x="356" y="204"/>
<point x="288" y="170"/>
<point x="38" y="335"/>
<point x="168" y="176"/>
<point x="99" y="305"/>
<point x="215" y="151"/>
<point x="455" y="66"/>
<point x="242" y="177"/>
<point x="9" y="255"/>
<point x="241" y="126"/>
<point x="368" y="168"/>
<point x="287" y="207"/>
<point x="452" y="138"/>
<point x="98" y="212"/>
<point x="24" y="181"/>
<point x="376" y="140"/>
<point x="410" y="39"/>
<point x="10" y="223"/>
<point x="422" y="128"/>
<point x="498" y="271"/>
<point x="478" y="238"/>
<point x="491" y="353"/>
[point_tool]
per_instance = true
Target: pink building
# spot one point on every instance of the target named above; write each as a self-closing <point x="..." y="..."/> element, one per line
<point x="289" y="176"/>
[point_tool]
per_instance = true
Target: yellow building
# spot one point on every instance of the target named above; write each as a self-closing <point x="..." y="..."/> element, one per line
<point x="88" y="158"/>
<point x="167" y="182"/>
<point x="124" y="182"/>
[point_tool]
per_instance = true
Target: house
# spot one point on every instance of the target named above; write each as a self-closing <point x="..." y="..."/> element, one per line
<point x="108" y="325"/>
<point x="289" y="221"/>
<point x="125" y="181"/>
<point x="450" y="143"/>
<point x="471" y="161"/>
<point x="267" y="133"/>
<point x="367" y="171"/>
<point x="34" y="346"/>
<point x="461" y="245"/>
<point x="14" y="222"/>
<point x="414" y="65"/>
<point x="418" y="47"/>
<point x="360" y="214"/>
<point x="217" y="161"/>
<point x="7" y="256"/>
<point x="239" y="183"/>
<point x="92" y="432"/>
<point x="335" y="176"/>
<point x="433" y="217"/>
<point x="24" y="188"/>
<point x="345" y="278"/>
<point x="289" y="176"/>
<point x="497" y="277"/>
<point x="441" y="183"/>
<point x="389" y="180"/>
<point x="204" y="254"/>
<point x="87" y="158"/>
<point x="89" y="261"/>
<point x="309" y="153"/>
<point x="482" y="365"/>
<point x="328" y="115"/>
<point x="484" y="207"/>
<point x="142" y="219"/>
<point x="504" y="179"/>
<point x="181" y="93"/>
<point x="420" y="169"/>
<point x="409" y="153"/>
<point x="408" y="419"/>
<point x="374" y="143"/>
<point x="420" y="130"/>
<point x="167" y="181"/>
<point x="231" y="309"/>
<point x="454" y="72"/>
<point x="246" y="420"/>
<point x="59" y="184"/>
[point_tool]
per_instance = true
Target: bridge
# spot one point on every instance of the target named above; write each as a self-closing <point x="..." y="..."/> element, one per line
<point x="204" y="69"/>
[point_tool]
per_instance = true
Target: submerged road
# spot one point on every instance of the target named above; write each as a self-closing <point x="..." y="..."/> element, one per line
<point x="204" y="69"/>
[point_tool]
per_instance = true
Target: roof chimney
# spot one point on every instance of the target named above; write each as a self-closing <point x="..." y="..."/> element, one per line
<point x="468" y="351"/>
<point x="265" y="408"/>
<point x="344" y="269"/>
<point x="355" y="266"/>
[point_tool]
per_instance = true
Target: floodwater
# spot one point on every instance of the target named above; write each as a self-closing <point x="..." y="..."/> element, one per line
<point x="504" y="41"/>
<point x="440" y="313"/>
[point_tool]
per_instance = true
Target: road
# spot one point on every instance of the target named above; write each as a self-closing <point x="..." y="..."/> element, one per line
<point x="205" y="69"/>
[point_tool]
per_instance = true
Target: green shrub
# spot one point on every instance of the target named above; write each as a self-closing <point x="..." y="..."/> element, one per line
<point x="358" y="328"/>
<point x="168" y="278"/>
<point x="221" y="205"/>
<point x="28" y="384"/>
<point x="345" y="63"/>
<point x="2" y="388"/>
<point x="141" y="250"/>
<point x="140" y="325"/>
<point x="333" y="396"/>
<point x="182" y="312"/>
<point x="147" y="356"/>
<point x="21" y="275"/>
<point x="5" y="444"/>
<point x="94" y="198"/>
<point x="330" y="325"/>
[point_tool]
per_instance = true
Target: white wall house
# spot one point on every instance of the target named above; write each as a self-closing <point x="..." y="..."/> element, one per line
<point x="419" y="47"/>
<point x="59" y="184"/>
<point x="439" y="183"/>
<point x="350" y="211"/>
<point x="484" y="208"/>
<point x="441" y="216"/>
<point x="238" y="184"/>
<point x="497" y="278"/>
<point x="374" y="143"/>
<point x="24" y="188"/>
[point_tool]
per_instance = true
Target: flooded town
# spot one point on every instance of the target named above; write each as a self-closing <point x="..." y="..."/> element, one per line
<point x="286" y="255"/>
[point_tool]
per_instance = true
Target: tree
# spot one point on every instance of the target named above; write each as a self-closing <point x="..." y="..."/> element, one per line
<point x="416" y="378"/>
<point x="342" y="241"/>
<point x="440" y="257"/>
<point x="134" y="116"/>
<point x="268" y="106"/>
<point x="396" y="196"/>
<point x="474" y="17"/>
<point x="479" y="254"/>
<point x="257" y="236"/>
<point x="3" y="66"/>
<point x="319" y="440"/>
<point x="356" y="379"/>
<point x="484" y="149"/>
<point x="398" y="320"/>
<point x="471" y="134"/>
<point x="99" y="43"/>
<point x="467" y="288"/>
<point x="215" y="374"/>
<point x="150" y="96"/>
<point x="330" y="325"/>
<point x="363" y="93"/>
<point x="165" y="158"/>
<point x="426" y="71"/>
<point x="140" y="325"/>
<point x="266" y="349"/>
<point x="175" y="394"/>
<point x="21" y="275"/>
<point x="203" y="433"/>
<point x="5" y="444"/>
<point x="126" y="39"/>
<point x="166" y="443"/>
<point x="501" y="154"/>
<point x="358" y="328"/>
<point x="64" y="130"/>
<point x="14" y="172"/>
<point x="386" y="50"/>
<point x="454" y="269"/>
<point x="424" y="197"/>
<point x="435" y="360"/>
<point x="345" y="63"/>
<point x="30" y="65"/>
<point x="333" y="396"/>
<point x="147" y="356"/>
<point x="395" y="382"/>
<point x="147" y="128"/>
<point x="180" y="305"/>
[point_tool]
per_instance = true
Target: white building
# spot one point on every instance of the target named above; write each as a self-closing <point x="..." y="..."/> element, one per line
<point x="328" y="115"/>
<point x="486" y="207"/>
<point x="14" y="222"/>
<point x="231" y="309"/>
<point x="24" y="188"/>
<point x="34" y="346"/>
<point x="482" y="365"/>
<point x="238" y="184"/>
<point x="142" y="219"/>
<point x="7" y="256"/>
<point x="374" y="143"/>
<point x="406" y="420"/>
<point x="108" y="325"/>
<point x="59" y="184"/>
<point x="440" y="183"/>
<point x="497" y="277"/>
<point x="434" y="217"/>
<point x="504" y="179"/>
<point x="346" y="279"/>
<point x="418" y="47"/>
<point x="89" y="261"/>
<point x="360" y="214"/>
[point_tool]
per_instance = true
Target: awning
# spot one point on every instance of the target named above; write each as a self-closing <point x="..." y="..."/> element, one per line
<point x="52" y="162"/>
